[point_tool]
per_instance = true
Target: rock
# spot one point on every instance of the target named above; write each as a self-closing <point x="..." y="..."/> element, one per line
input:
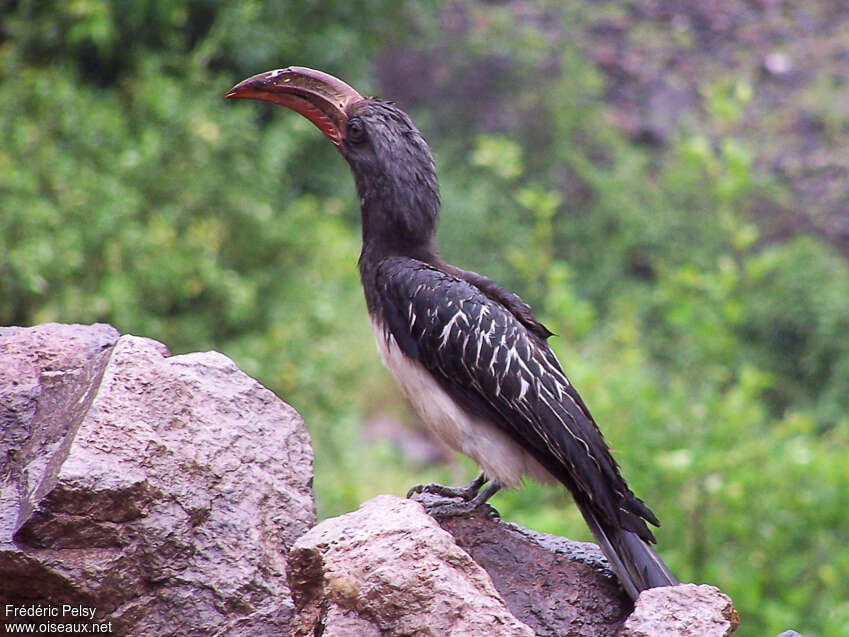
<point x="687" y="610"/>
<point x="554" y="585"/>
<point x="389" y="569"/>
<point x="172" y="494"/>
<point x="163" y="490"/>
<point x="59" y="352"/>
<point x="777" y="64"/>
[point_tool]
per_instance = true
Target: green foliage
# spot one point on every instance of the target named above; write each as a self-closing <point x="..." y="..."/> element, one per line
<point x="715" y="363"/>
<point x="794" y="313"/>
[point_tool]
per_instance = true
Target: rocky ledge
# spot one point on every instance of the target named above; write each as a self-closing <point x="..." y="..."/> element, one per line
<point x="149" y="494"/>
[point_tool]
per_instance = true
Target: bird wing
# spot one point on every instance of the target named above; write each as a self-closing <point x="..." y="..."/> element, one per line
<point x="497" y="369"/>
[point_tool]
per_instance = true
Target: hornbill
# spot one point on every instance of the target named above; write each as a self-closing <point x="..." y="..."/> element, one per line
<point x="468" y="354"/>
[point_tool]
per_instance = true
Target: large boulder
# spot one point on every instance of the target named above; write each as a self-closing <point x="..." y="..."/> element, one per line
<point x="164" y="491"/>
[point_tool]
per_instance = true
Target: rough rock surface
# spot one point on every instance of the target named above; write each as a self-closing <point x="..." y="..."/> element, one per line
<point x="687" y="610"/>
<point x="554" y="585"/>
<point x="388" y="568"/>
<point x="164" y="491"/>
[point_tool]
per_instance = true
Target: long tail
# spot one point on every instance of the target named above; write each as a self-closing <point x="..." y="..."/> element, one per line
<point x="634" y="560"/>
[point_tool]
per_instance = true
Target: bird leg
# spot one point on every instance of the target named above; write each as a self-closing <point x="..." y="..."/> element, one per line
<point x="466" y="492"/>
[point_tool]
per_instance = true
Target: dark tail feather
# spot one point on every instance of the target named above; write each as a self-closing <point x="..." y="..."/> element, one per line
<point x="634" y="560"/>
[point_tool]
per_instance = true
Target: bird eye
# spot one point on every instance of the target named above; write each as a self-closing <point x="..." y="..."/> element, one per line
<point x="356" y="129"/>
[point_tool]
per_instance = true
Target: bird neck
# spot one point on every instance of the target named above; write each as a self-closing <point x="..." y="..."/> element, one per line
<point x="398" y="229"/>
<point x="394" y="232"/>
<point x="399" y="202"/>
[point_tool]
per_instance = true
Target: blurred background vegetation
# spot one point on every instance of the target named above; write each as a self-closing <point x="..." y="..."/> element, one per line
<point x="664" y="184"/>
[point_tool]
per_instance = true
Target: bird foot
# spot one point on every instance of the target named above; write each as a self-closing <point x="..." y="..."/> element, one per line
<point x="466" y="492"/>
<point x="471" y="498"/>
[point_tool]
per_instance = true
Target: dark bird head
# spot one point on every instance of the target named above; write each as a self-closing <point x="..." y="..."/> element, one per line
<point x="391" y="162"/>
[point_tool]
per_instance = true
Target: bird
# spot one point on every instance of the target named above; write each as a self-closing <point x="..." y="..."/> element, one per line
<point x="468" y="354"/>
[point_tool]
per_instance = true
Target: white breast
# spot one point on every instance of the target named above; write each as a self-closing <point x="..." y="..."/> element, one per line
<point x="497" y="454"/>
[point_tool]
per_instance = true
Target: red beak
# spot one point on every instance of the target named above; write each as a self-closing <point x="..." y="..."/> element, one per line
<point x="321" y="98"/>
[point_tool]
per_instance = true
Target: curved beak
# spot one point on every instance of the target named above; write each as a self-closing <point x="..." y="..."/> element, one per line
<point x="321" y="98"/>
